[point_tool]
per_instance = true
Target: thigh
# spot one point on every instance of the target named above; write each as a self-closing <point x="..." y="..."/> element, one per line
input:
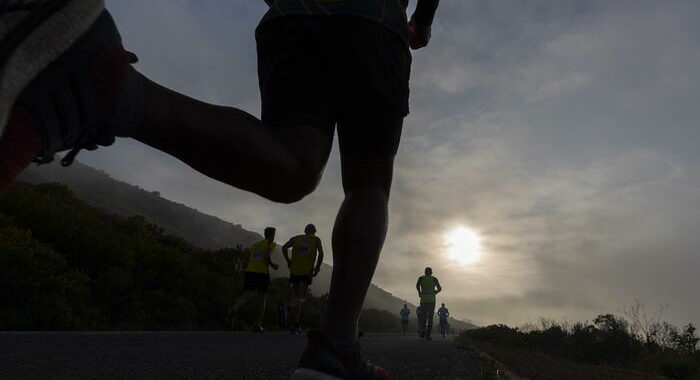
<point x="358" y="172"/>
<point x="263" y="283"/>
<point x="371" y="98"/>
<point x="301" y="287"/>
<point x="248" y="283"/>
<point x="370" y="131"/>
<point x="294" y="89"/>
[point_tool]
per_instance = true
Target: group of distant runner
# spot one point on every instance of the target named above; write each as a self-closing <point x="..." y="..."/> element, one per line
<point x="304" y="264"/>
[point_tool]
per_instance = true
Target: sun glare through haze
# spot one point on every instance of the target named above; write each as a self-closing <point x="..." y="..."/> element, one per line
<point x="463" y="245"/>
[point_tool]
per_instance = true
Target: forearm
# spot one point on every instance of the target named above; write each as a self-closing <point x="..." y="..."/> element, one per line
<point x="271" y="263"/>
<point x="319" y="261"/>
<point x="425" y="11"/>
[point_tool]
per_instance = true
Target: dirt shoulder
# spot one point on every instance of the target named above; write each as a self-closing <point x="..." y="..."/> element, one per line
<point x="536" y="366"/>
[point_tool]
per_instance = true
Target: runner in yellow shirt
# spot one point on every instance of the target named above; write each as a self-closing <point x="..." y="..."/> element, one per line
<point x="304" y="264"/>
<point x="257" y="276"/>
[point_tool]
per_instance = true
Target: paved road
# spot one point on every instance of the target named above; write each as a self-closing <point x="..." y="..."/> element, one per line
<point x="210" y="355"/>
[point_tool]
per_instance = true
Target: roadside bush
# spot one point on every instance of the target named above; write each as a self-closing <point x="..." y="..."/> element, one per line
<point x="608" y="340"/>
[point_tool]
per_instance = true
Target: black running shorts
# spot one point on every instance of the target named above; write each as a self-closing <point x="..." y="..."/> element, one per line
<point x="296" y="278"/>
<point x="256" y="281"/>
<point x="325" y="71"/>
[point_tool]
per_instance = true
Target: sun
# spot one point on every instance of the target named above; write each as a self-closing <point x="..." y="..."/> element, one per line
<point x="463" y="245"/>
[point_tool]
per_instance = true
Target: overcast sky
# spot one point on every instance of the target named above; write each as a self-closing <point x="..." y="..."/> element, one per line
<point x="564" y="133"/>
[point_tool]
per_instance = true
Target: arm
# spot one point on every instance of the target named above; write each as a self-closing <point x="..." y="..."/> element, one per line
<point x="418" y="286"/>
<point x="437" y="286"/>
<point x="269" y="261"/>
<point x="419" y="26"/>
<point x="285" y="252"/>
<point x="246" y="258"/>
<point x="319" y="258"/>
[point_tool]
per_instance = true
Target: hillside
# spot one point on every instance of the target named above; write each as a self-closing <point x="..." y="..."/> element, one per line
<point x="98" y="189"/>
<point x="65" y="265"/>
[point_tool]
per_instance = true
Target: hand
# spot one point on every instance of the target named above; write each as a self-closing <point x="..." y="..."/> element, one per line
<point x="274" y="266"/>
<point x="419" y="35"/>
<point x="315" y="272"/>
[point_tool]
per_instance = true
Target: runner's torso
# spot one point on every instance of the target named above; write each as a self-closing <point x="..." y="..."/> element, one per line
<point x="442" y="313"/>
<point x="427" y="284"/>
<point x="304" y="249"/>
<point x="259" y="253"/>
<point x="404" y="314"/>
<point x="390" y="13"/>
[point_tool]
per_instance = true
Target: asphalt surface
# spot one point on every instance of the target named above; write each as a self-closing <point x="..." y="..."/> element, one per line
<point x="211" y="355"/>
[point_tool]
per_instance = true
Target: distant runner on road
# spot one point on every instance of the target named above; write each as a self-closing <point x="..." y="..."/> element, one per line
<point x="405" y="312"/>
<point x="256" y="278"/>
<point x="443" y="313"/>
<point x="427" y="286"/>
<point x="304" y="265"/>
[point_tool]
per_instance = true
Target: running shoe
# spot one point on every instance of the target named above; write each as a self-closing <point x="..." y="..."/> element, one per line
<point x="258" y="330"/>
<point x="79" y="87"/>
<point x="321" y="361"/>
<point x="33" y="33"/>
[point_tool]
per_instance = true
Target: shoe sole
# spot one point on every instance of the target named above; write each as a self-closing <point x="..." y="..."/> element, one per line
<point x="310" y="374"/>
<point x="46" y="32"/>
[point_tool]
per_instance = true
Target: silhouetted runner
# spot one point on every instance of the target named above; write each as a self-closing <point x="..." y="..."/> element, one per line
<point x="304" y="265"/>
<point x="256" y="277"/>
<point x="405" y="313"/>
<point x="427" y="286"/>
<point x="67" y="84"/>
<point x="443" y="313"/>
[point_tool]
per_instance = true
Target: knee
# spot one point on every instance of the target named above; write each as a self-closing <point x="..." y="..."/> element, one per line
<point x="294" y="188"/>
<point x="374" y="191"/>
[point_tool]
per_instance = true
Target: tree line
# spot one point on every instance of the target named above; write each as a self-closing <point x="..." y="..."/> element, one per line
<point x="629" y="339"/>
<point x="66" y="265"/>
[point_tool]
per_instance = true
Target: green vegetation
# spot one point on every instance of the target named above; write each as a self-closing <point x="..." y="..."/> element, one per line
<point x="66" y="265"/>
<point x="633" y="342"/>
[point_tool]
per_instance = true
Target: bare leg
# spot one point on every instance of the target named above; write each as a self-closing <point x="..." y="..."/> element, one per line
<point x="263" y="304"/>
<point x="232" y="146"/>
<point x="240" y="301"/>
<point x="299" y="297"/>
<point x="358" y="236"/>
<point x="429" y="312"/>
<point x="421" y="321"/>
<point x="292" y="297"/>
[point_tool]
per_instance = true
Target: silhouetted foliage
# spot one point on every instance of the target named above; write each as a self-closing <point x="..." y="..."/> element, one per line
<point x="66" y="265"/>
<point x="373" y="320"/>
<point x="610" y="340"/>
